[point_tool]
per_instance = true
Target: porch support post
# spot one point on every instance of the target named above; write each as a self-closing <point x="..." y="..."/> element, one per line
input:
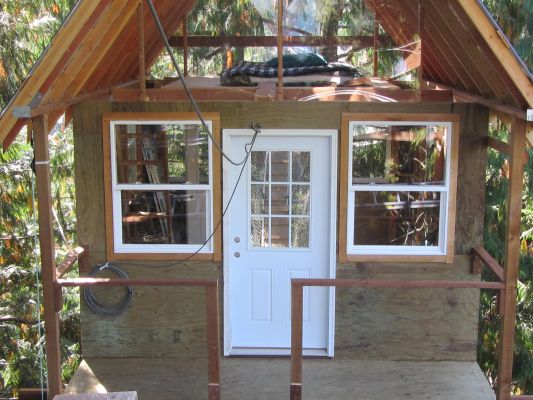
<point x="46" y="240"/>
<point x="296" y="341"/>
<point x="213" y="342"/>
<point x="512" y="256"/>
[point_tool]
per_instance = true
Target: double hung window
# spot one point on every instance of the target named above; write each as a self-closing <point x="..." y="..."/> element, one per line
<point x="161" y="184"/>
<point x="400" y="186"/>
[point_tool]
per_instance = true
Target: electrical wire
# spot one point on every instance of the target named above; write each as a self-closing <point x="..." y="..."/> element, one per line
<point x="195" y="107"/>
<point x="248" y="149"/>
<point x="96" y="306"/>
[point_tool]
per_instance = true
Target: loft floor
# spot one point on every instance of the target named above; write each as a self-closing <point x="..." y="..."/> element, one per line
<point x="268" y="379"/>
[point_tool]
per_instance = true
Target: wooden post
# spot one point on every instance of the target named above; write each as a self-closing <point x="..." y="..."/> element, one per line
<point x="296" y="341"/>
<point x="421" y="84"/>
<point x="142" y="57"/>
<point x="280" y="50"/>
<point x="213" y="343"/>
<point x="512" y="257"/>
<point x="46" y="240"/>
<point x="185" y="46"/>
<point x="375" y="54"/>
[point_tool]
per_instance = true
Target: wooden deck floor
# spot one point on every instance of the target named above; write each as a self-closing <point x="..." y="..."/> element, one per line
<point x="268" y="379"/>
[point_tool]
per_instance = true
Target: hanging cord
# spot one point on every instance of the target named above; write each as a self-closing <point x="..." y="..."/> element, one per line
<point x="37" y="280"/>
<point x="248" y="149"/>
<point x="161" y="30"/>
<point x="102" y="309"/>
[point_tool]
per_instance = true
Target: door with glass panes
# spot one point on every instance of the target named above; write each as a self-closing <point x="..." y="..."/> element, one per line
<point x="280" y="225"/>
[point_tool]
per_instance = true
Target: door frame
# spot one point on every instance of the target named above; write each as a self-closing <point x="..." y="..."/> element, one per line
<point x="332" y="136"/>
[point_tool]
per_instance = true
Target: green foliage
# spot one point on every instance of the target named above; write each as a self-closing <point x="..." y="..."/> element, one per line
<point x="21" y="326"/>
<point x="494" y="239"/>
<point x="515" y="17"/>
<point x="26" y="28"/>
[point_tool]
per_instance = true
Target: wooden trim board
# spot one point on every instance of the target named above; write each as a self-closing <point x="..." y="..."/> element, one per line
<point x="216" y="187"/>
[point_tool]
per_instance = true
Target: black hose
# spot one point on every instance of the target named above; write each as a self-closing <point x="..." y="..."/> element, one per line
<point x="103" y="309"/>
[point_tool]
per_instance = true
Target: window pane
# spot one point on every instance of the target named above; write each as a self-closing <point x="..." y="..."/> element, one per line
<point x="260" y="167"/>
<point x="301" y="166"/>
<point x="300" y="199"/>
<point x="397" y="218"/>
<point x="280" y="166"/>
<point x="405" y="154"/>
<point x="280" y="199"/>
<point x="162" y="153"/>
<point x="300" y="232"/>
<point x="260" y="200"/>
<point x="280" y="232"/>
<point x="164" y="217"/>
<point x="259" y="232"/>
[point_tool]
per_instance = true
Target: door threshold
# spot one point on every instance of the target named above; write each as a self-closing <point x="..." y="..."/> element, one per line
<point x="269" y="352"/>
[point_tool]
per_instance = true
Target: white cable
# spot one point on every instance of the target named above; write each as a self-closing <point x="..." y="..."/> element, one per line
<point x="37" y="285"/>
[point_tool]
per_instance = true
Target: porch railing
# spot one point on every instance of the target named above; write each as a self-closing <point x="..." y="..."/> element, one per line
<point x="480" y="258"/>
<point x="211" y="300"/>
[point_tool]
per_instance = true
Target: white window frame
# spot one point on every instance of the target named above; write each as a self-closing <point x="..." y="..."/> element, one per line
<point x="116" y="189"/>
<point x="443" y="252"/>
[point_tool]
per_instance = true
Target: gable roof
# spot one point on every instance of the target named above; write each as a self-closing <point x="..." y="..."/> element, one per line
<point x="97" y="49"/>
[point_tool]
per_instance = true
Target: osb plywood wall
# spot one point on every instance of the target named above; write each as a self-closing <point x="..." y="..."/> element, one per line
<point x="370" y="324"/>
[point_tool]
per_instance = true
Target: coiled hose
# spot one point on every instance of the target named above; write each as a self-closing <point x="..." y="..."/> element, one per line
<point x="103" y="309"/>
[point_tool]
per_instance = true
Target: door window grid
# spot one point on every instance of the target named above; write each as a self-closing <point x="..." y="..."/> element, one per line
<point x="280" y="192"/>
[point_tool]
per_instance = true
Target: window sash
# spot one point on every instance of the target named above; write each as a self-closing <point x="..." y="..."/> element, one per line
<point x="117" y="188"/>
<point x="443" y="189"/>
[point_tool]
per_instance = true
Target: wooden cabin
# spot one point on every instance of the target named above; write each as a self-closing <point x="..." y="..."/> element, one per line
<point x="354" y="214"/>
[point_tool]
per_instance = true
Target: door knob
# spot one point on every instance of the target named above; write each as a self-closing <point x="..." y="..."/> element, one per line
<point x="237" y="254"/>
<point x="237" y="239"/>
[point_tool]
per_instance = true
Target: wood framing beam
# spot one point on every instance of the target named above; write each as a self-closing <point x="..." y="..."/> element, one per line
<point x="501" y="49"/>
<point x="466" y="97"/>
<point x="296" y="342"/>
<point x="512" y="258"/>
<point x="489" y="261"/>
<point x="71" y="258"/>
<point x="496" y="144"/>
<point x="288" y="41"/>
<point x="185" y="37"/>
<point x="92" y="50"/>
<point x="31" y="112"/>
<point x="51" y="62"/>
<point x="279" y="43"/>
<point x="46" y="240"/>
<point x="213" y="342"/>
<point x="483" y="71"/>
<point x="142" y="57"/>
<point x="154" y="45"/>
<point x="422" y="44"/>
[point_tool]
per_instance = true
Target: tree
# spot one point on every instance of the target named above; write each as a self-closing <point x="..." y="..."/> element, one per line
<point x="21" y="326"/>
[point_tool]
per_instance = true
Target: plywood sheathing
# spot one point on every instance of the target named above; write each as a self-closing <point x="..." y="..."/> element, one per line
<point x="268" y="378"/>
<point x="164" y="311"/>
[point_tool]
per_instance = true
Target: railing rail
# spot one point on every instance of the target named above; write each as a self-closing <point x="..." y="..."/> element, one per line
<point x="481" y="255"/>
<point x="212" y="314"/>
<point x="72" y="257"/>
<point x="297" y="286"/>
<point x="80" y="255"/>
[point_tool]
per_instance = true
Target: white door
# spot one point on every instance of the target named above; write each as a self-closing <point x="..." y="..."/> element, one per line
<point x="280" y="225"/>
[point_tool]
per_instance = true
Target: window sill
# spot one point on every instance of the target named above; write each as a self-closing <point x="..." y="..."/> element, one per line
<point x="396" y="258"/>
<point x="112" y="256"/>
